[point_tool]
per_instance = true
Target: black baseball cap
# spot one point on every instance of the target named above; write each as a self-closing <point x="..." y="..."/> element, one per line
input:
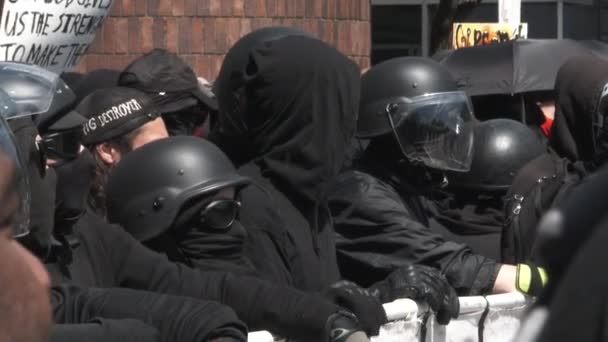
<point x="170" y="82"/>
<point x="113" y="112"/>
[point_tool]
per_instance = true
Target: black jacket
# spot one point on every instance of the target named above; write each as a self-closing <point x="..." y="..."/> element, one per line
<point x="104" y="255"/>
<point x="382" y="224"/>
<point x="175" y="318"/>
<point x="103" y="330"/>
<point x="301" y="100"/>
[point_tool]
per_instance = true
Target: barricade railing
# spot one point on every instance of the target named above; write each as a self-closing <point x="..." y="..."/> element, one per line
<point x="493" y="318"/>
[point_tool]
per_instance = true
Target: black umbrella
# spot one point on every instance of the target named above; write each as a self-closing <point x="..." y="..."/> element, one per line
<point x="514" y="67"/>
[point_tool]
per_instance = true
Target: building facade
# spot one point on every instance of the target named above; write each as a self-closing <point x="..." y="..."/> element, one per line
<point x="202" y="31"/>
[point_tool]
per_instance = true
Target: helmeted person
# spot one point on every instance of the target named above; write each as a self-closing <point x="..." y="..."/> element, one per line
<point x="38" y="97"/>
<point x="22" y="277"/>
<point x="578" y="145"/>
<point x="186" y="105"/>
<point x="106" y="256"/>
<point x="179" y="196"/>
<point x="471" y="209"/>
<point x="420" y="126"/>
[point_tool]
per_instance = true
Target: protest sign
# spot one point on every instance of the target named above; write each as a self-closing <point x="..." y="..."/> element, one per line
<point x="53" y="34"/>
<point x="475" y="34"/>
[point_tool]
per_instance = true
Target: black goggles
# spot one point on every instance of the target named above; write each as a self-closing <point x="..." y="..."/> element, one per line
<point x="220" y="214"/>
<point x="61" y="145"/>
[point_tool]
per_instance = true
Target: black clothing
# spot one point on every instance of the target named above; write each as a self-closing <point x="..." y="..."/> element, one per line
<point x="176" y="318"/>
<point x="206" y="249"/>
<point x="382" y="224"/>
<point x="277" y="241"/>
<point x="476" y="220"/>
<point x="104" y="330"/>
<point x="578" y="86"/>
<point x="579" y="306"/>
<point x="301" y="102"/>
<point x="74" y="178"/>
<point x="575" y="149"/>
<point x="106" y="256"/>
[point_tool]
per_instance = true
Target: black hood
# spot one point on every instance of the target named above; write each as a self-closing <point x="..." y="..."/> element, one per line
<point x="578" y="88"/>
<point x="301" y="100"/>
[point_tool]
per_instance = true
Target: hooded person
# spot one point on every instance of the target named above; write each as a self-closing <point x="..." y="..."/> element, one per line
<point x="297" y="112"/>
<point x="420" y="126"/>
<point x="286" y="118"/>
<point x="577" y="146"/>
<point x="193" y="188"/>
<point x="471" y="209"/>
<point x="184" y="103"/>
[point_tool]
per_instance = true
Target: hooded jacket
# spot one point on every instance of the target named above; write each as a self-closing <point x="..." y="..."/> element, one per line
<point x="579" y="85"/>
<point x="382" y="222"/>
<point x="300" y="100"/>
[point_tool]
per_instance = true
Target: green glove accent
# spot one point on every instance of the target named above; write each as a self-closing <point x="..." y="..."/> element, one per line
<point x="530" y="279"/>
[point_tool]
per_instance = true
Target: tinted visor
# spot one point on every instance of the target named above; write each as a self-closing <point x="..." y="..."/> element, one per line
<point x="31" y="89"/>
<point x="435" y="129"/>
<point x="8" y="147"/>
<point x="62" y="145"/>
<point x="220" y="214"/>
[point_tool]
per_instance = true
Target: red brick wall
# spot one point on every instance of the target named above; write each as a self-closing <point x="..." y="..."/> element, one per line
<point x="201" y="31"/>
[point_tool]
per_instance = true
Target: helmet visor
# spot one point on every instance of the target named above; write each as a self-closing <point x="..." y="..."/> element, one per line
<point x="31" y="89"/>
<point x="435" y="129"/>
<point x="20" y="223"/>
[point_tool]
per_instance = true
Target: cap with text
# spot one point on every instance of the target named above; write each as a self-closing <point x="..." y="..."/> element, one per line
<point x="113" y="112"/>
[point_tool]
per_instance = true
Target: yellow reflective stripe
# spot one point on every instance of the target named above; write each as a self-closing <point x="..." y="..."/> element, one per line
<point x="543" y="275"/>
<point x="524" y="278"/>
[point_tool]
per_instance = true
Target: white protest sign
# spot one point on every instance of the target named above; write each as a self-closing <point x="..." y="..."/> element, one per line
<point x="53" y="34"/>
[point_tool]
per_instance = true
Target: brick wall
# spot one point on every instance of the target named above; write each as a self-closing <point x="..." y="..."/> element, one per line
<point x="201" y="31"/>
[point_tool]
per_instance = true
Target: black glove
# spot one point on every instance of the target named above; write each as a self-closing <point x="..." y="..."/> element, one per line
<point x="367" y="308"/>
<point x="344" y="327"/>
<point x="420" y="283"/>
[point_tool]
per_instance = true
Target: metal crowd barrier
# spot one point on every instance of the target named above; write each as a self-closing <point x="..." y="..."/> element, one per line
<point x="493" y="318"/>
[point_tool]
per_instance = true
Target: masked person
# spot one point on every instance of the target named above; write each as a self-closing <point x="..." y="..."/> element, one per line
<point x="106" y="256"/>
<point x="285" y="121"/>
<point x="192" y="189"/>
<point x="420" y="126"/>
<point x="471" y="209"/>
<point x="577" y="147"/>
<point x="172" y="85"/>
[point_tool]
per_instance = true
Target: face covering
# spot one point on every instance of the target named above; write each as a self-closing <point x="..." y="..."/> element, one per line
<point x="74" y="179"/>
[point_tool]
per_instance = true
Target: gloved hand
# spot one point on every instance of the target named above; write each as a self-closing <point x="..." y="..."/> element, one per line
<point x="344" y="327"/>
<point x="420" y="283"/>
<point x="531" y="279"/>
<point x="367" y="308"/>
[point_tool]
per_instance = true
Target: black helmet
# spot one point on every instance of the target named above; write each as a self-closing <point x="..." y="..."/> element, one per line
<point x="230" y="77"/>
<point x="418" y="100"/>
<point x="147" y="189"/>
<point x="502" y="148"/>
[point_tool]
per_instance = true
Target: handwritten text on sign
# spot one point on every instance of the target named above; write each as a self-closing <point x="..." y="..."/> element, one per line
<point x="51" y="33"/>
<point x="474" y="34"/>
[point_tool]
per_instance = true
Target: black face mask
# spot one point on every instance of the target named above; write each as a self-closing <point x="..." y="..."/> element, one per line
<point x="74" y="179"/>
